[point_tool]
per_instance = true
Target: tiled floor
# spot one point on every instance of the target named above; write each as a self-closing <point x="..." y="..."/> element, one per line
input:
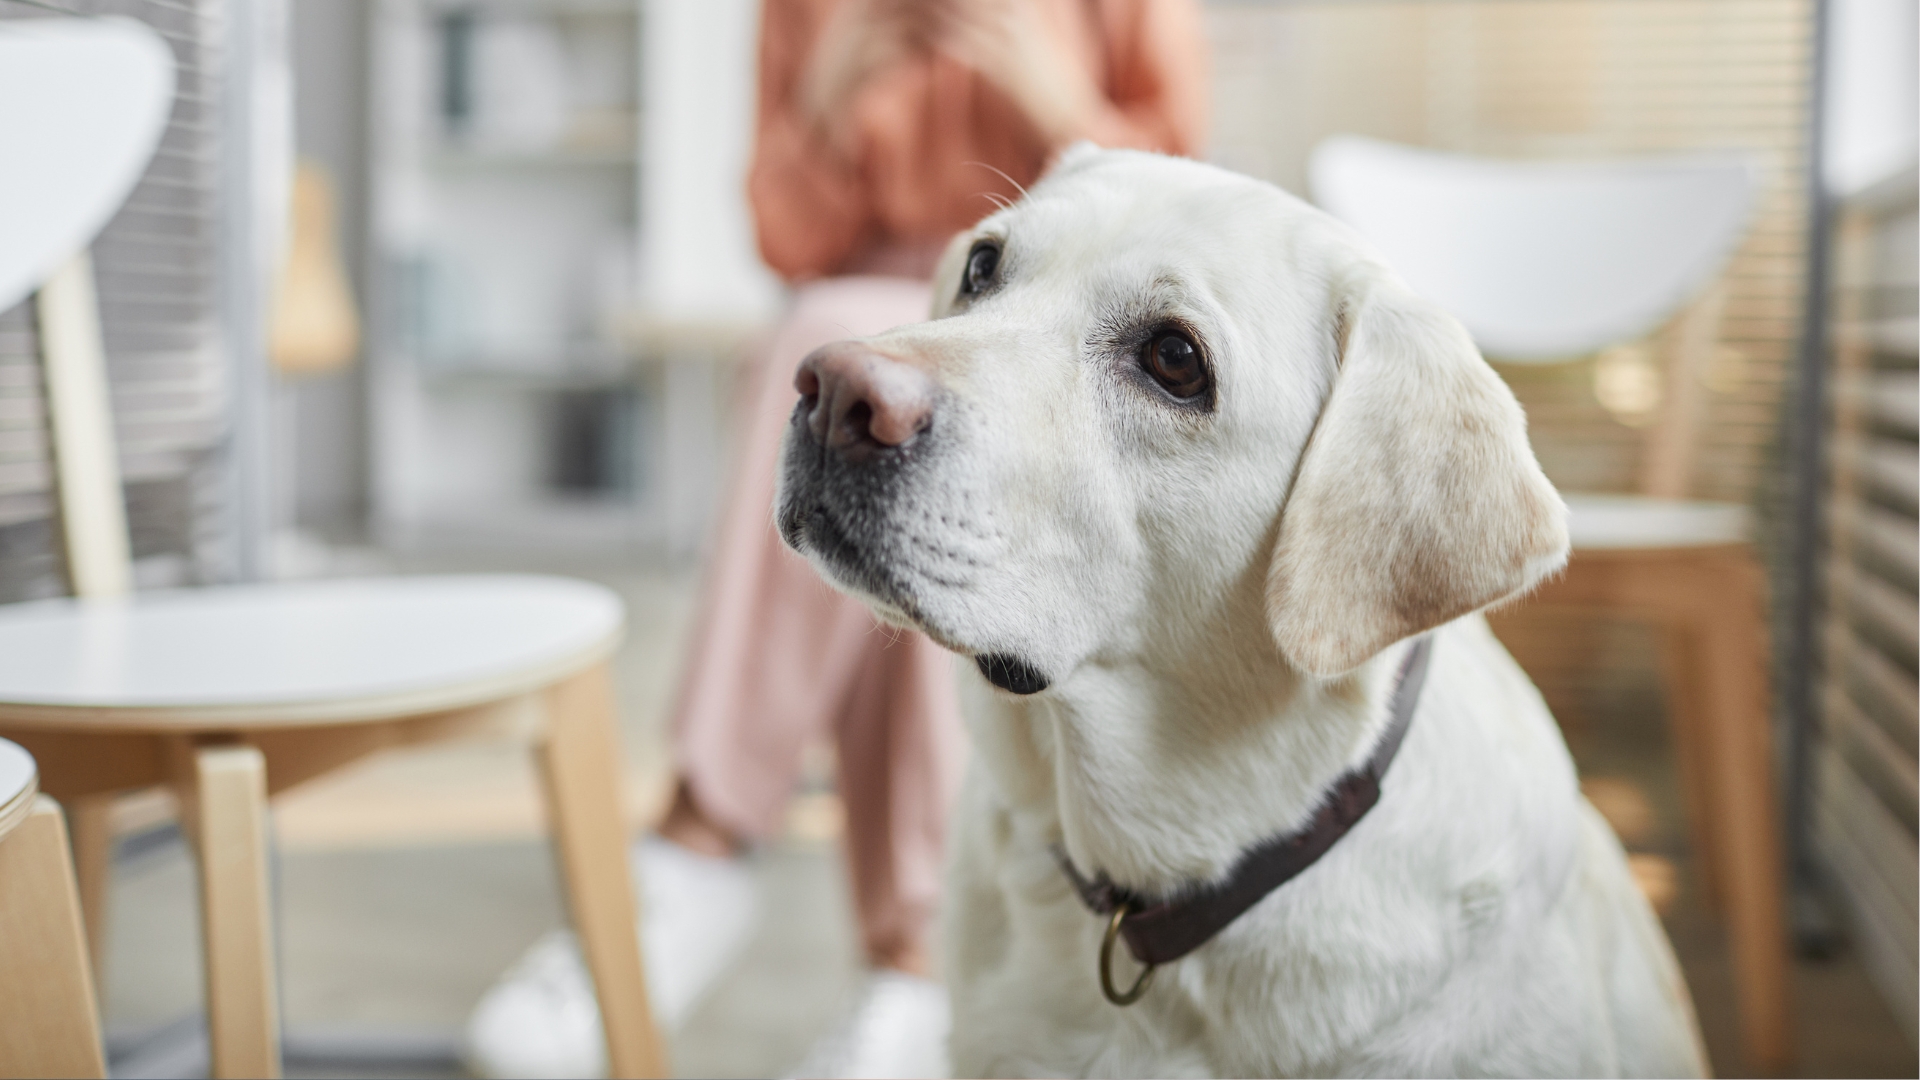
<point x="394" y="942"/>
<point x="407" y="884"/>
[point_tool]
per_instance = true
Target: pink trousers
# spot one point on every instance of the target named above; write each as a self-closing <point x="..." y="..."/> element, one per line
<point x="779" y="659"/>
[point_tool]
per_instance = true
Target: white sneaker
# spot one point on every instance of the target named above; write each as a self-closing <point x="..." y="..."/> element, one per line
<point x="898" y="1029"/>
<point x="542" y="1020"/>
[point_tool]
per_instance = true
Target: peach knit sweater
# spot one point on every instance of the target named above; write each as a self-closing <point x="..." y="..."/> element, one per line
<point x="924" y="127"/>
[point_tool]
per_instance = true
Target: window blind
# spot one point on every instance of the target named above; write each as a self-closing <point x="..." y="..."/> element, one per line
<point x="157" y="270"/>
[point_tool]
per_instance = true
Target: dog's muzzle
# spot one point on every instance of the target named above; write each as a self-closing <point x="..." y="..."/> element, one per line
<point x="857" y="473"/>
<point x="862" y="427"/>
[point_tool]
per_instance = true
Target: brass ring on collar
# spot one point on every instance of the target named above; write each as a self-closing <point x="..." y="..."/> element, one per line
<point x="1139" y="987"/>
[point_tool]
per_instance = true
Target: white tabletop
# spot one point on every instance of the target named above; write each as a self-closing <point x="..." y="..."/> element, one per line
<point x="412" y="642"/>
<point x="19" y="779"/>
<point x="1613" y="522"/>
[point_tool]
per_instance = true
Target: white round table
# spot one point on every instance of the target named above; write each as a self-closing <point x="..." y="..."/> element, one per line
<point x="231" y="694"/>
<point x="49" y="1025"/>
<point x="332" y="651"/>
<point x="19" y="783"/>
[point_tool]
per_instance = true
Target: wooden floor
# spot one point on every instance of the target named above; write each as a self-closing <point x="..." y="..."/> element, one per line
<point x="1841" y="1026"/>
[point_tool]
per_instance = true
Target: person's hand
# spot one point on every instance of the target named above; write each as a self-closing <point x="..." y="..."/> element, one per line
<point x="1012" y="47"/>
<point x="860" y="38"/>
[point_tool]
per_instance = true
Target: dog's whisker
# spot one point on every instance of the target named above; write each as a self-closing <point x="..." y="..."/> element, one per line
<point x="1017" y="186"/>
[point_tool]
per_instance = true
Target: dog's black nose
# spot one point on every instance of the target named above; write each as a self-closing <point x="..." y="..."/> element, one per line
<point x="857" y="401"/>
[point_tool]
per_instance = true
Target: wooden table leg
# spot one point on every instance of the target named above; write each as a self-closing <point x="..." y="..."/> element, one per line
<point x="580" y="762"/>
<point x="1738" y="746"/>
<point x="90" y="819"/>
<point x="1688" y="719"/>
<point x="48" y="1022"/>
<point x="1713" y="603"/>
<point x="224" y="804"/>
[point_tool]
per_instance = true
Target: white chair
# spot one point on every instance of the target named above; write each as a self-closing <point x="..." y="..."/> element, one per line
<point x="48" y="1022"/>
<point x="1552" y="261"/>
<point x="232" y="694"/>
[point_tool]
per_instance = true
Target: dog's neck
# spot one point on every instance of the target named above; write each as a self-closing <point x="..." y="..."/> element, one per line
<point x="1162" y="774"/>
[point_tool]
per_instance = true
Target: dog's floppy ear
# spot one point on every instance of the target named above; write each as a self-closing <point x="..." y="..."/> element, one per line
<point x="1418" y="498"/>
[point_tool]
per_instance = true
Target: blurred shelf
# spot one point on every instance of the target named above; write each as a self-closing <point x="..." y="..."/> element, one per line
<point x="717" y="340"/>
<point x="483" y="377"/>
<point x="571" y="366"/>
<point x="457" y="160"/>
<point x="553" y="522"/>
<point x="507" y="224"/>
<point x="537" y="7"/>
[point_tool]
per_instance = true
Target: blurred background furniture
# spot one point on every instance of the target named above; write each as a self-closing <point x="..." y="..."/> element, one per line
<point x="1863" y="804"/>
<point x="1572" y="80"/>
<point x="219" y="457"/>
<point x="572" y="274"/>
<point x="48" y="1023"/>
<point x="231" y="694"/>
<point x="1554" y="261"/>
<point x="175" y="365"/>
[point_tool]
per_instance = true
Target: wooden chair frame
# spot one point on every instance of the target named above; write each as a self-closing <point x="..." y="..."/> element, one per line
<point x="1709" y="604"/>
<point x="224" y="763"/>
<point x="49" y="1025"/>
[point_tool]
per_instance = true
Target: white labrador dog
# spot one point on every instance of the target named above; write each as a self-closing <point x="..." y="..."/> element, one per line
<point x="1184" y="469"/>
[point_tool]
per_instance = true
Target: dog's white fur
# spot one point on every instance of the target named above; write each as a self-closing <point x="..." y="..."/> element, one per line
<point x="1219" y="599"/>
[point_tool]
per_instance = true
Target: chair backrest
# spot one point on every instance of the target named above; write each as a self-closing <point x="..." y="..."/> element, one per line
<point x="82" y="105"/>
<point x="1542" y="261"/>
<point x="111" y="79"/>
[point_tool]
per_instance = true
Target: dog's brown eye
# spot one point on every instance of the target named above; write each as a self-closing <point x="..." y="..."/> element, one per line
<point x="1175" y="364"/>
<point x="982" y="261"/>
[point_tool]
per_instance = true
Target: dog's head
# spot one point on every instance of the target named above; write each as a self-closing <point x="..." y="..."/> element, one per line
<point x="1156" y="394"/>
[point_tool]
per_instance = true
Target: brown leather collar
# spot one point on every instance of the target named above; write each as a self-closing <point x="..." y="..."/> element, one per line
<point x="1163" y="932"/>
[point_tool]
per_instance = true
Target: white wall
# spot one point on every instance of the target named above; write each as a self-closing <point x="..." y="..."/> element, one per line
<point x="1873" y="91"/>
<point x="698" y="260"/>
<point x="698" y="263"/>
